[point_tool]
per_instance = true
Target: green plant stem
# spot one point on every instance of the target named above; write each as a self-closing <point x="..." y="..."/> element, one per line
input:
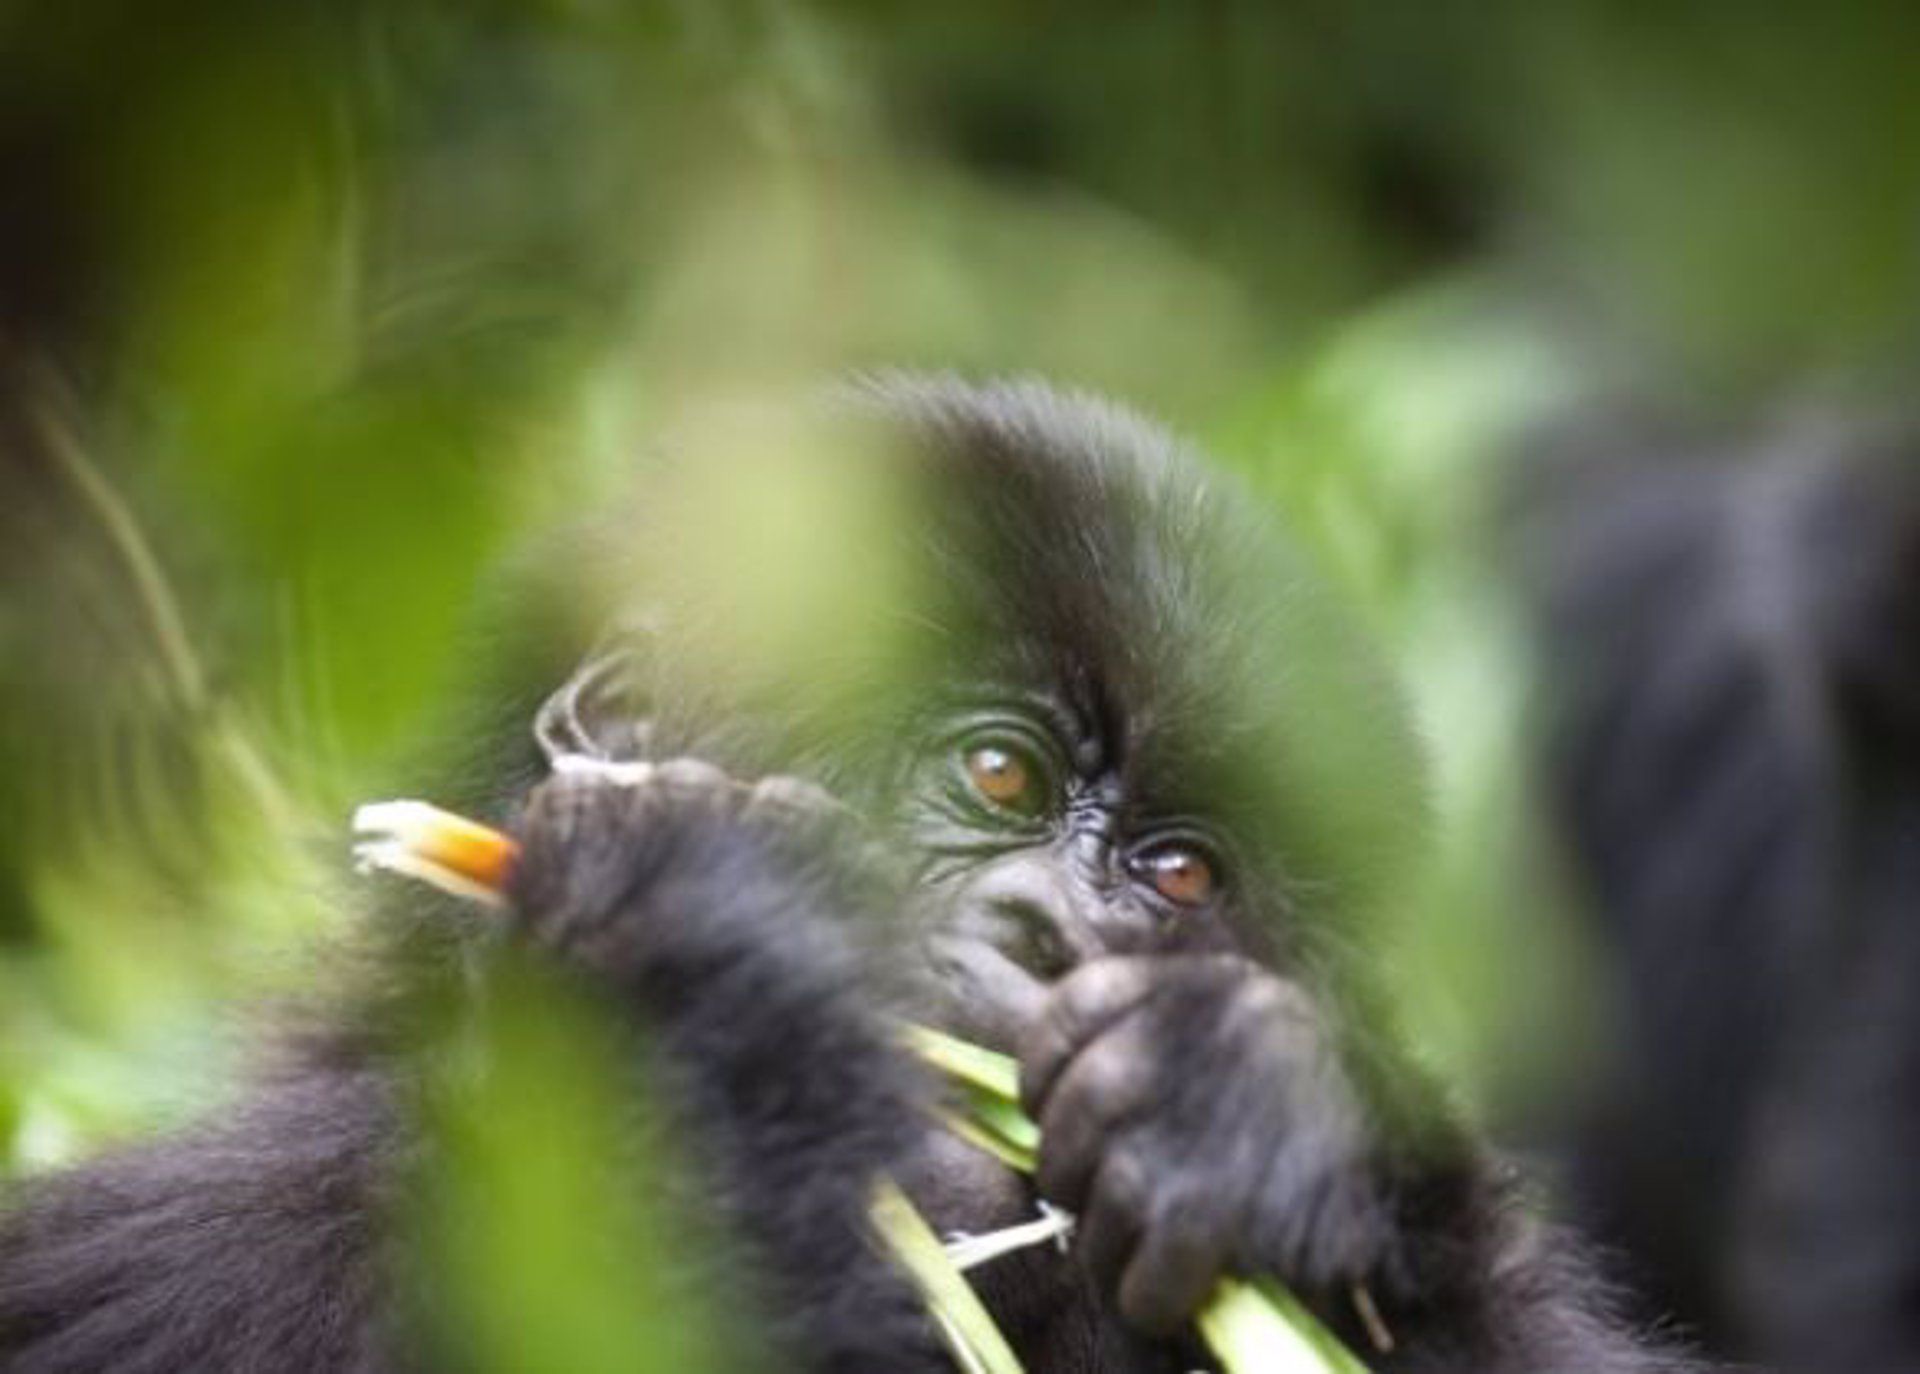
<point x="185" y="676"/>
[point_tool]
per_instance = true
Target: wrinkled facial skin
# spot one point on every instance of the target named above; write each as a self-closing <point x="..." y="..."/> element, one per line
<point x="1037" y="855"/>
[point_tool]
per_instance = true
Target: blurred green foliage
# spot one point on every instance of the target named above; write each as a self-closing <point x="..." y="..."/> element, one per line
<point x="536" y="1258"/>
<point x="344" y="302"/>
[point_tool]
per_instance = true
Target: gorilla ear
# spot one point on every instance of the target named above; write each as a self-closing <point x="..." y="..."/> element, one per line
<point x="599" y="712"/>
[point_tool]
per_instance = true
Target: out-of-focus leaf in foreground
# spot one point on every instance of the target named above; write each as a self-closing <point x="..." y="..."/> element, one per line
<point x="548" y="1238"/>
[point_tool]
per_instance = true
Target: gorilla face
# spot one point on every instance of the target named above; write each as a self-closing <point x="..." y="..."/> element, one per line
<point x="1041" y="852"/>
<point x="1113" y="715"/>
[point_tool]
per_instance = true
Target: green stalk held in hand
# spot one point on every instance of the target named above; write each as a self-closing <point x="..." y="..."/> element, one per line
<point x="1252" y="1327"/>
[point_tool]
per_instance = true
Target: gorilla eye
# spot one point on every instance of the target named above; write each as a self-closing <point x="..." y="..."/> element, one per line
<point x="1181" y="873"/>
<point x="1005" y="777"/>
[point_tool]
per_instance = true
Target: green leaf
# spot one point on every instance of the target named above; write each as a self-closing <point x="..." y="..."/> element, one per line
<point x="994" y="1074"/>
<point x="964" y="1322"/>
<point x="1262" y="1327"/>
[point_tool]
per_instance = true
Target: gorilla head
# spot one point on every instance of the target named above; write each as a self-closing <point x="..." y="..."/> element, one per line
<point x="1077" y="678"/>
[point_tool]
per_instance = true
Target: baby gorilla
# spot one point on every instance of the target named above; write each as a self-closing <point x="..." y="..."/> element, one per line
<point x="1108" y="787"/>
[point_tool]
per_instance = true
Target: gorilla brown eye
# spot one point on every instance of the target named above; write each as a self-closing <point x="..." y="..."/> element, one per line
<point x="1182" y="874"/>
<point x="1004" y="778"/>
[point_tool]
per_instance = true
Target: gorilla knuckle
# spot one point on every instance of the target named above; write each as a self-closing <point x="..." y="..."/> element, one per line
<point x="1094" y="993"/>
<point x="1109" y="1077"/>
<point x="1127" y="1183"/>
<point x="781" y="797"/>
<point x="1258" y="998"/>
<point x="695" y="781"/>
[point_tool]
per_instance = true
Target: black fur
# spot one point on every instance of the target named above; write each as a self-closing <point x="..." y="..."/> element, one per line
<point x="1220" y="1088"/>
<point x="1734" y="646"/>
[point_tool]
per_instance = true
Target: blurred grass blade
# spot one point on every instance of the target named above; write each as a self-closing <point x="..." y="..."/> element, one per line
<point x="994" y="1074"/>
<point x="1005" y="1119"/>
<point x="1262" y="1327"/>
<point x="964" y="1322"/>
<point x="982" y="1136"/>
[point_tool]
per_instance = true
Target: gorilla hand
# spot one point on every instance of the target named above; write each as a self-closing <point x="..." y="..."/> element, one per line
<point x="610" y="854"/>
<point x="1195" y="1116"/>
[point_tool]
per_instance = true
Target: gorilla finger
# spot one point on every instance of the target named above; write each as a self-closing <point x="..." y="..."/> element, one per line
<point x="1106" y="1086"/>
<point x="693" y="779"/>
<point x="1109" y="1228"/>
<point x="1080" y="1007"/>
<point x="781" y="796"/>
<point x="978" y="973"/>
<point x="566" y="807"/>
<point x="1174" y="1269"/>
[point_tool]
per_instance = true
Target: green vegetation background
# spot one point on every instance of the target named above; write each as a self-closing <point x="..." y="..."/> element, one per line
<point x="340" y="303"/>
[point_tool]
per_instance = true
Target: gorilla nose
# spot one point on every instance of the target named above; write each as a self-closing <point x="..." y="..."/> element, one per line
<point x="1033" y="916"/>
<point x="1033" y="939"/>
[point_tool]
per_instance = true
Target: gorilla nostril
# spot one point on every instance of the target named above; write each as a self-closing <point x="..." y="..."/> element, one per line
<point x="1033" y="938"/>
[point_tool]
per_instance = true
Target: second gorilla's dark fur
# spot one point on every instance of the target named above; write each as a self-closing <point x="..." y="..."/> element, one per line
<point x="1732" y="639"/>
<point x="1122" y="676"/>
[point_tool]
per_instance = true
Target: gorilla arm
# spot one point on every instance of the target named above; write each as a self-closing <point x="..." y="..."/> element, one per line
<point x="263" y="1242"/>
